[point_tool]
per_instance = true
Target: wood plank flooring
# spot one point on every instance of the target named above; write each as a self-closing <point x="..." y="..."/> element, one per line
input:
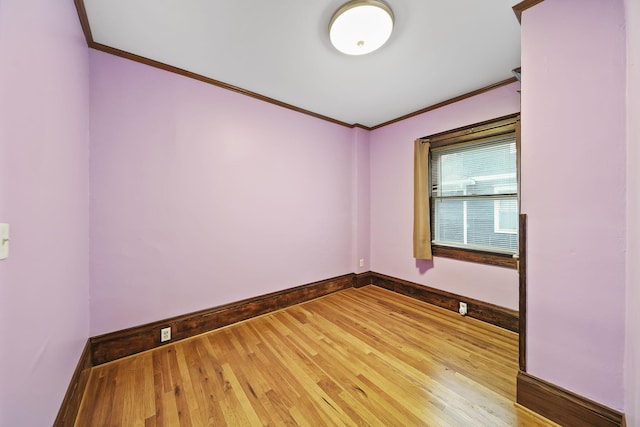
<point x="359" y="357"/>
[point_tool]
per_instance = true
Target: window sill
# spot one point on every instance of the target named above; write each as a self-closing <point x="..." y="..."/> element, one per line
<point x="490" y="258"/>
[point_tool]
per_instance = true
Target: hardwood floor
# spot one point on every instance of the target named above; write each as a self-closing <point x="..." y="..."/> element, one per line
<point x="359" y="357"/>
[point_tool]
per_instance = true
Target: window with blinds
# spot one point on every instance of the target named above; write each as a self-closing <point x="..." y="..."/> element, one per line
<point x="474" y="193"/>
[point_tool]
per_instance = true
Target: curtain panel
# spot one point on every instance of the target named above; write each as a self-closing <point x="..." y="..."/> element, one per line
<point x="421" y="210"/>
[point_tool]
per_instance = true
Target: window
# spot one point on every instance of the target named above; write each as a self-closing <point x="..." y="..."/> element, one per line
<point x="474" y="190"/>
<point x="505" y="211"/>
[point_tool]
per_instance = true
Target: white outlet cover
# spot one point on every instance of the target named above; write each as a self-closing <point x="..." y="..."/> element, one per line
<point x="462" y="308"/>
<point x="165" y="334"/>
<point x="4" y="241"/>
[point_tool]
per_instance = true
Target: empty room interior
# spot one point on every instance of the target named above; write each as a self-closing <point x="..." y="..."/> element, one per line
<point x="249" y="213"/>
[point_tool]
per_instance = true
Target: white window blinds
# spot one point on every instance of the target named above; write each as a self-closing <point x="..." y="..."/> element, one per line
<point x="474" y="195"/>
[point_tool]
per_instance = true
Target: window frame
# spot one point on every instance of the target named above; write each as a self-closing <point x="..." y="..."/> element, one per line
<point x="471" y="134"/>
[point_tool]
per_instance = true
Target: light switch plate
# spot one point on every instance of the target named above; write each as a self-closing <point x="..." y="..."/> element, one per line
<point x="4" y="241"/>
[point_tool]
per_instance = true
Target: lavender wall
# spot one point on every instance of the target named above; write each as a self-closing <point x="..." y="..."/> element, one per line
<point x="361" y="198"/>
<point x="632" y="355"/>
<point x="391" y="152"/>
<point x="201" y="196"/>
<point x="573" y="189"/>
<point x="44" y="186"/>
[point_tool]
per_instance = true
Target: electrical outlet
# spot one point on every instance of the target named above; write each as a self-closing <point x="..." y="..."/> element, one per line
<point x="361" y="262"/>
<point x="165" y="334"/>
<point x="4" y="241"/>
<point x="463" y="308"/>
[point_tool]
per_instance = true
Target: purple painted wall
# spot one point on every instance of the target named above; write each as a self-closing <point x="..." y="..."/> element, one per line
<point x="361" y="200"/>
<point x="573" y="190"/>
<point x="201" y="196"/>
<point x="632" y="354"/>
<point x="391" y="152"/>
<point x="44" y="196"/>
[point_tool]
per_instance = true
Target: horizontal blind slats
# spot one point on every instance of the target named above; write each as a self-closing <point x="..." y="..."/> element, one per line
<point x="474" y="194"/>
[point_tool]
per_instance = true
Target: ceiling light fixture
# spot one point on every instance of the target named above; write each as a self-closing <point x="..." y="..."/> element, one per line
<point x="361" y="26"/>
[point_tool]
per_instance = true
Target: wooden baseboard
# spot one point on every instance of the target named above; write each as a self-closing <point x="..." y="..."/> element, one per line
<point x="546" y="399"/>
<point x="71" y="403"/>
<point x="115" y="345"/>
<point x="112" y="346"/>
<point x="362" y="279"/>
<point x="562" y="406"/>
<point x="490" y="313"/>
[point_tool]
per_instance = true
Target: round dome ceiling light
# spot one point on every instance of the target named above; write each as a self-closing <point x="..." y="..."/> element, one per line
<point x="361" y="26"/>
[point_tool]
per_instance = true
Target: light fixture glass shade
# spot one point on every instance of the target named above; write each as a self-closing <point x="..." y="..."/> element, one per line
<point x="361" y="26"/>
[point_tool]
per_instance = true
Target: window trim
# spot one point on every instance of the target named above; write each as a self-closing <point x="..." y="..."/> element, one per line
<point x="477" y="132"/>
<point x="472" y="255"/>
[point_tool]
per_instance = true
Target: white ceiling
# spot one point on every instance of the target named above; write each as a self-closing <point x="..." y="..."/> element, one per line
<point x="280" y="49"/>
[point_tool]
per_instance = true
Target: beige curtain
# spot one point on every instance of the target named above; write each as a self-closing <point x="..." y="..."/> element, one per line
<point x="421" y="212"/>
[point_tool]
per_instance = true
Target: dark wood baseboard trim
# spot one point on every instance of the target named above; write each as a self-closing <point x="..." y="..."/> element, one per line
<point x="112" y="346"/>
<point x="490" y="313"/>
<point x="362" y="279"/>
<point x="118" y="344"/>
<point x="562" y="406"/>
<point x="553" y="402"/>
<point x="71" y="403"/>
<point x="115" y="345"/>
